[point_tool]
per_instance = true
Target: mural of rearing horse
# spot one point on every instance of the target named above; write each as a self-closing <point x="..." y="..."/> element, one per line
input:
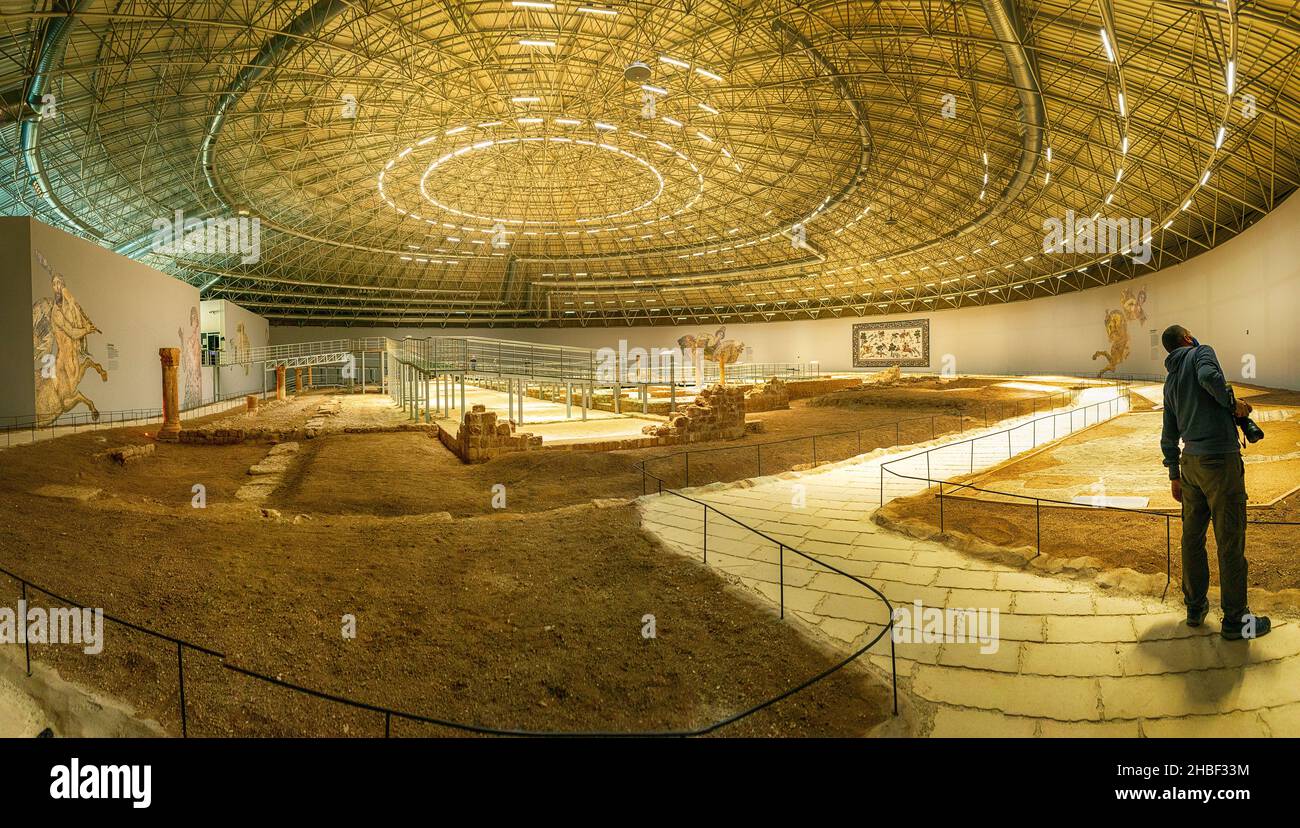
<point x="1117" y="328"/>
<point x="59" y="331"/>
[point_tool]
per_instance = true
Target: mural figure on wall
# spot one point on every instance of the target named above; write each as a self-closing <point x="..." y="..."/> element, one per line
<point x="724" y="352"/>
<point x="242" y="345"/>
<point x="1130" y="307"/>
<point x="886" y="344"/>
<point x="59" y="331"/>
<point x="191" y="377"/>
<point x="701" y="345"/>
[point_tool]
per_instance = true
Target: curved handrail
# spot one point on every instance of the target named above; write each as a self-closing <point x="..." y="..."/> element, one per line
<point x="961" y="420"/>
<point x="391" y="713"/>
<point x="781" y="547"/>
<point x="1167" y="515"/>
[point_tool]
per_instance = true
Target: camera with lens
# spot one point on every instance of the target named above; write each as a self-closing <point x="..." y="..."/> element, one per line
<point x="1249" y="429"/>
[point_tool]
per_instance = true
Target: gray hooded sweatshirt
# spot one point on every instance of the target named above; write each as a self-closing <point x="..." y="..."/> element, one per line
<point x="1198" y="407"/>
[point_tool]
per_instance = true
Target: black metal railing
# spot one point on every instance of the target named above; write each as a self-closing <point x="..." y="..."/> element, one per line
<point x="86" y="421"/>
<point x="781" y="549"/>
<point x="389" y="714"/>
<point x="181" y="645"/>
<point x="999" y="412"/>
<point x="1038" y="501"/>
<point x="1113" y="405"/>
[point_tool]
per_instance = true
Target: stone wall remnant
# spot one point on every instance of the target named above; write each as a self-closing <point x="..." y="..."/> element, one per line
<point x="770" y="396"/>
<point x="481" y="436"/>
<point x="718" y="413"/>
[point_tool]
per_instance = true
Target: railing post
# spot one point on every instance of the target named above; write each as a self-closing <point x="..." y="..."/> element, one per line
<point x="1038" y="526"/>
<point x="893" y="665"/>
<point x="780" y="555"/>
<point x="688" y="469"/>
<point x="940" y="505"/>
<point x="180" y="671"/>
<point x="760" y="460"/>
<point x="27" y="645"/>
<point x="706" y="533"/>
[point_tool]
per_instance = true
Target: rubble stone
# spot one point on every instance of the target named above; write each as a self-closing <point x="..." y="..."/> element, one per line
<point x="770" y="396"/>
<point x="481" y="436"/>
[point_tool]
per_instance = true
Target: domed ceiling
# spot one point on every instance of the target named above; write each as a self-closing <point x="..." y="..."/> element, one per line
<point x="513" y="163"/>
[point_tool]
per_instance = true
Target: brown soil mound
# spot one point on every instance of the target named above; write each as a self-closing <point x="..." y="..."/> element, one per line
<point x="530" y="622"/>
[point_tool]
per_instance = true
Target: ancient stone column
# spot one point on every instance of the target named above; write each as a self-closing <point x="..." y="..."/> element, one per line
<point x="297" y="380"/>
<point x="251" y="402"/>
<point x="279" y="382"/>
<point x="171" y="427"/>
<point x="311" y="377"/>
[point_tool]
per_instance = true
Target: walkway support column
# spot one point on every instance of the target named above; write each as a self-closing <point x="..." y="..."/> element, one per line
<point x="171" y="426"/>
<point x="672" y="384"/>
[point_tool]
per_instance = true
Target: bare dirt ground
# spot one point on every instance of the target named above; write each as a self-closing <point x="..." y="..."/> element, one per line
<point x="529" y="619"/>
<point x="1134" y="540"/>
<point x="533" y="624"/>
<point x="1121" y="457"/>
<point x="513" y="621"/>
<point x="847" y="423"/>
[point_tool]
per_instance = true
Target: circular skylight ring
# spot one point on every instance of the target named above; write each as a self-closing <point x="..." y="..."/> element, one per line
<point x="478" y="145"/>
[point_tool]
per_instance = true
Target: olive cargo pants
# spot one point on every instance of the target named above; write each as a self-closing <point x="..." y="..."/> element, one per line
<point x="1214" y="490"/>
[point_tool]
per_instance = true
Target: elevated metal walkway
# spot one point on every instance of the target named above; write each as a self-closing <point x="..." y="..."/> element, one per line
<point x="302" y="354"/>
<point x="429" y="375"/>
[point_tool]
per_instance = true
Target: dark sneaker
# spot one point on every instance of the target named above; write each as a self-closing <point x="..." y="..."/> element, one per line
<point x="1196" y="616"/>
<point x="1250" y="626"/>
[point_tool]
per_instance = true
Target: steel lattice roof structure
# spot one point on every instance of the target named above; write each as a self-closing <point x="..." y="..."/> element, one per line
<point x="510" y="163"/>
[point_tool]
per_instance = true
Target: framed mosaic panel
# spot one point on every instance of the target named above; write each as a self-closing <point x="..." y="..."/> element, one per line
<point x="882" y="344"/>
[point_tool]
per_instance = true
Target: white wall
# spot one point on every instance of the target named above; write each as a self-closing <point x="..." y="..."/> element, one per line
<point x="137" y="310"/>
<point x="242" y="329"/>
<point x="1242" y="297"/>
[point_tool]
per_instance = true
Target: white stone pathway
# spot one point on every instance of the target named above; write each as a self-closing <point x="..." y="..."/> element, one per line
<point x="1073" y="659"/>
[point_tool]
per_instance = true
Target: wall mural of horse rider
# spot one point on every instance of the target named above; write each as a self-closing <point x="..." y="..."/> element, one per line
<point x="1117" y="319"/>
<point x="59" y="331"/>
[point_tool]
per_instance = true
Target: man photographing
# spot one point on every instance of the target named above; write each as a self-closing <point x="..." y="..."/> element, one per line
<point x="1210" y="481"/>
